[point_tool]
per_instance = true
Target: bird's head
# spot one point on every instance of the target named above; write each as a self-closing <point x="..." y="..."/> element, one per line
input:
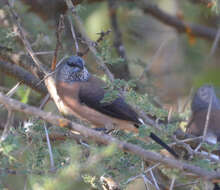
<point x="72" y="69"/>
<point x="201" y="99"/>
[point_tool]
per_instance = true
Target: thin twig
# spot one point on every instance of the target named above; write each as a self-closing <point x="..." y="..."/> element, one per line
<point x="192" y="152"/>
<point x="153" y="59"/>
<point x="189" y="97"/>
<point x="7" y="125"/>
<point x="169" y="114"/>
<point x="154" y="179"/>
<point x="52" y="166"/>
<point x="74" y="35"/>
<point x="12" y="91"/>
<point x="172" y="183"/>
<point x="146" y="181"/>
<point x="101" y="34"/>
<point x="207" y="118"/>
<point x="59" y="30"/>
<point x="215" y="43"/>
<point x="38" y="53"/>
<point x="187" y="184"/>
<point x="186" y="140"/>
<point x="143" y="173"/>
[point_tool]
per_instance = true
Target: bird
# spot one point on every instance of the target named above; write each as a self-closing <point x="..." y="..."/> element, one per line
<point x="81" y="94"/>
<point x="203" y="98"/>
<point x="199" y="107"/>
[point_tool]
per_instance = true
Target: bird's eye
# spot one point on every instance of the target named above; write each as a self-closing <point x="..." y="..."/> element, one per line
<point x="71" y="64"/>
<point x="76" y="62"/>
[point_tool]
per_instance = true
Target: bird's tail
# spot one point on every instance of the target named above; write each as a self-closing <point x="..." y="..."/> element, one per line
<point x="161" y="142"/>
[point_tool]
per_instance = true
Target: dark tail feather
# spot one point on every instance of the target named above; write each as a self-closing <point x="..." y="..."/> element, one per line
<point x="163" y="144"/>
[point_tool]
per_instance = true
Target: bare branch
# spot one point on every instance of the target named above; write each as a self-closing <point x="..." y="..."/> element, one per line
<point x="74" y="35"/>
<point x="179" y="25"/>
<point x="106" y="139"/>
<point x="172" y="183"/>
<point x="23" y="76"/>
<point x="207" y="119"/>
<point x="52" y="166"/>
<point x="59" y="30"/>
<point x="215" y="43"/>
<point x="118" y="43"/>
<point x="7" y="125"/>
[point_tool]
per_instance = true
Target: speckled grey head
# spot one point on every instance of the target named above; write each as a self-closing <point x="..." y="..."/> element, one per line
<point x="72" y="69"/>
<point x="202" y="98"/>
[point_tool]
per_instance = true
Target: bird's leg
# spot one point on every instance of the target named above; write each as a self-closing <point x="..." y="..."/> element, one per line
<point x="107" y="129"/>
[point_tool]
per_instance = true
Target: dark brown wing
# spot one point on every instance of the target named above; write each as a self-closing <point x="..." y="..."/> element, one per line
<point x="92" y="92"/>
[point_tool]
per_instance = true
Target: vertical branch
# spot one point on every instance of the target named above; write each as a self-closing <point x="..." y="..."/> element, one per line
<point x="7" y="125"/>
<point x="59" y="30"/>
<point x="74" y="35"/>
<point x="120" y="49"/>
<point x="207" y="118"/>
<point x="52" y="167"/>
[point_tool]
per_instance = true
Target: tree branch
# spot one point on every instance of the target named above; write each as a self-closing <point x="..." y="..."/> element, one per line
<point x="179" y="25"/>
<point x="106" y="139"/>
<point x="120" y="70"/>
<point x="23" y="76"/>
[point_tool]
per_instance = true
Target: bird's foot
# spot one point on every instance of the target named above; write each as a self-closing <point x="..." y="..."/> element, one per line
<point x="104" y="130"/>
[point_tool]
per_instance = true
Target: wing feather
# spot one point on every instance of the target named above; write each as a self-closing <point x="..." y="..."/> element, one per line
<point x="92" y="92"/>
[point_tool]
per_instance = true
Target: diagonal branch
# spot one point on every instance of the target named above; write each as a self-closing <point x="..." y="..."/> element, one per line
<point x="27" y="45"/>
<point x="179" y="25"/>
<point x="23" y="76"/>
<point x="106" y="139"/>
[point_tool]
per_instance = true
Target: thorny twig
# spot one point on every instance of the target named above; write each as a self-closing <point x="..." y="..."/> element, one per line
<point x="99" y="60"/>
<point x="102" y="34"/>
